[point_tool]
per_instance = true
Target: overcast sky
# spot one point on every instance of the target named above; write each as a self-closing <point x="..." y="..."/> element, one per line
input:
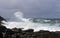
<point x="30" y="8"/>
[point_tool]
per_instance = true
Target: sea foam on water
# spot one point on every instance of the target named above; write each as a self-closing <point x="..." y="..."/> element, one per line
<point x="29" y="24"/>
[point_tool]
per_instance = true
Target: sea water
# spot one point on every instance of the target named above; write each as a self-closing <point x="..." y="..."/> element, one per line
<point x="51" y="24"/>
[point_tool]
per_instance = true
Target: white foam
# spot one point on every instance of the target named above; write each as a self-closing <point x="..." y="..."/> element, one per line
<point x="30" y="25"/>
<point x="26" y="24"/>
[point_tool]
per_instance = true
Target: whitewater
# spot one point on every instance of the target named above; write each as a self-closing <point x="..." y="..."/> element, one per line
<point x="32" y="23"/>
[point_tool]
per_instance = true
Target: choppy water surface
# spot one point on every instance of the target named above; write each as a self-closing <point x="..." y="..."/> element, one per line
<point x="51" y="24"/>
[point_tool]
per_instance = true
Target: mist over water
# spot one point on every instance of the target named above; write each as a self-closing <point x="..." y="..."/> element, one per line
<point x="27" y="23"/>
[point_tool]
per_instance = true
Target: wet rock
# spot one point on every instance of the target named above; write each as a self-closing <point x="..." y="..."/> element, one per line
<point x="29" y="30"/>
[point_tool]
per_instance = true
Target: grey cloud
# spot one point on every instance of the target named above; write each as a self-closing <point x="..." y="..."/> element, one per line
<point x="30" y="8"/>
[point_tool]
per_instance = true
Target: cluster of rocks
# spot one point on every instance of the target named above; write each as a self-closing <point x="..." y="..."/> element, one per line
<point x="19" y="33"/>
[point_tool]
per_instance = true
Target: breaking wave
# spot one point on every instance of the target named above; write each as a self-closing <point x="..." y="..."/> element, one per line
<point x="34" y="23"/>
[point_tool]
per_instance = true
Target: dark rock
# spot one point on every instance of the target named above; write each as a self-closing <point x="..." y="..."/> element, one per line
<point x="1" y="35"/>
<point x="3" y="29"/>
<point x="29" y="30"/>
<point x="1" y="19"/>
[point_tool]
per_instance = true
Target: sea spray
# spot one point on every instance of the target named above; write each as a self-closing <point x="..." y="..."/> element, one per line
<point x="33" y="23"/>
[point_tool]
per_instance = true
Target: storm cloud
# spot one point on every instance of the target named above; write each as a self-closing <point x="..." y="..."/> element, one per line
<point x="30" y="8"/>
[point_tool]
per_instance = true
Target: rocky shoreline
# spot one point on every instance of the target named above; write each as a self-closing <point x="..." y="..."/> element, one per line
<point x="19" y="33"/>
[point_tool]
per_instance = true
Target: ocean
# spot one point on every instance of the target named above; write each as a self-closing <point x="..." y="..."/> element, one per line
<point x="50" y="24"/>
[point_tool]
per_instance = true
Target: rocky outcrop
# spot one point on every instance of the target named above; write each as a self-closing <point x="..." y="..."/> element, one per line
<point x="19" y="33"/>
